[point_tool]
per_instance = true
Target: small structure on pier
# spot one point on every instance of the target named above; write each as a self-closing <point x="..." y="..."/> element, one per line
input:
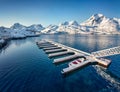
<point x="78" y="58"/>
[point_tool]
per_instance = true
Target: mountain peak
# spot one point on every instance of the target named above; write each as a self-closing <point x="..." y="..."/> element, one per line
<point x="35" y="27"/>
<point x="75" y="23"/>
<point x="97" y="16"/>
<point x="94" y="20"/>
<point x="64" y="23"/>
<point x="38" y="25"/>
<point x="17" y="26"/>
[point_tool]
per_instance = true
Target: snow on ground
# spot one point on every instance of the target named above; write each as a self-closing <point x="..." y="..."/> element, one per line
<point x="20" y="31"/>
<point x="1" y="41"/>
<point x="97" y="23"/>
<point x="51" y="29"/>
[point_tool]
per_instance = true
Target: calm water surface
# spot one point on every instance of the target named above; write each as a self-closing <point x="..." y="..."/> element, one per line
<point x="26" y="68"/>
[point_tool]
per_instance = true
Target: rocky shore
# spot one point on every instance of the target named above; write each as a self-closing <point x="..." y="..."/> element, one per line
<point x="3" y="43"/>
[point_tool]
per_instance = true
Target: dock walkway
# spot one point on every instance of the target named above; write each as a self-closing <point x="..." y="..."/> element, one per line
<point x="54" y="49"/>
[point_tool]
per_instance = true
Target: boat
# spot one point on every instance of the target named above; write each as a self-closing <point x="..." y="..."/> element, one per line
<point x="76" y="62"/>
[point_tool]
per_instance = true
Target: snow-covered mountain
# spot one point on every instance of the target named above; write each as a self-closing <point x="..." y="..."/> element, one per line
<point x="102" y="24"/>
<point x="18" y="30"/>
<point x="71" y="27"/>
<point x="4" y="31"/>
<point x="51" y="29"/>
<point x="17" y="26"/>
<point x="94" y="20"/>
<point x="35" y="27"/>
<point x="97" y="23"/>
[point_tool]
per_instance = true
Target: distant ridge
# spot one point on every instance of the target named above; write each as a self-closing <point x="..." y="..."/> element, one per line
<point x="96" y="24"/>
<point x="18" y="30"/>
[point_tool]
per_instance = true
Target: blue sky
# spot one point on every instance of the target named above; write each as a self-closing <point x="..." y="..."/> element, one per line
<point x="47" y="12"/>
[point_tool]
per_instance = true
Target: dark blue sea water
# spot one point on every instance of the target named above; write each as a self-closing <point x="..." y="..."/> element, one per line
<point x="26" y="68"/>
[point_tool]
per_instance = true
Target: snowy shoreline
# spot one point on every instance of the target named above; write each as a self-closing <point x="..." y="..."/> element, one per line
<point x="18" y="31"/>
<point x="97" y="24"/>
<point x="4" y="41"/>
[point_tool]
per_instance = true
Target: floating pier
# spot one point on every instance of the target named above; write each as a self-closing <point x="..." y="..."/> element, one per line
<point x="47" y="46"/>
<point x="60" y="54"/>
<point x="54" y="49"/>
<point x="51" y="48"/>
<point x="71" y="57"/>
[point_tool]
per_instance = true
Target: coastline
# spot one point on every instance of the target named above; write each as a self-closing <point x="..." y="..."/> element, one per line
<point x="7" y="39"/>
<point x="4" y="41"/>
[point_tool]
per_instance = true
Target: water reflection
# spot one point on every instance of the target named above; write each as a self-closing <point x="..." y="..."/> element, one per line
<point x="3" y="50"/>
<point x="23" y="66"/>
<point x="88" y="43"/>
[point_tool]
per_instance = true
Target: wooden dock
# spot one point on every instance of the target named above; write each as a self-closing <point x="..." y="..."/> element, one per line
<point x="61" y="54"/>
<point x="54" y="49"/>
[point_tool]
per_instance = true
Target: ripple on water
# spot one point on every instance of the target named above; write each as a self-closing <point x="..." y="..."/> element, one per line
<point x="26" y="68"/>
